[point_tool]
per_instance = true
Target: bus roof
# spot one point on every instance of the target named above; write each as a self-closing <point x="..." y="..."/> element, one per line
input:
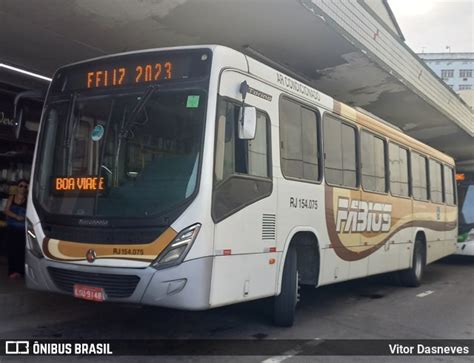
<point x="141" y="51"/>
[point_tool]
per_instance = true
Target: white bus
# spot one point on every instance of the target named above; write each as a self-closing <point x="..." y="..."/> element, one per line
<point x="465" y="183"/>
<point x="197" y="177"/>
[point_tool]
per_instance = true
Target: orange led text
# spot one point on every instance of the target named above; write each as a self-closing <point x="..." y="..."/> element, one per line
<point x="79" y="183"/>
<point x="153" y="72"/>
<point x="105" y="78"/>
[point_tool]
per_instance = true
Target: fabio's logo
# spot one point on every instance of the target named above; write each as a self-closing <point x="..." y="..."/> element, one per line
<point x="362" y="216"/>
<point x="90" y="256"/>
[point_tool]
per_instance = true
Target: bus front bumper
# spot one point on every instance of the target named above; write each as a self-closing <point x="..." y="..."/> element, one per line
<point x="186" y="286"/>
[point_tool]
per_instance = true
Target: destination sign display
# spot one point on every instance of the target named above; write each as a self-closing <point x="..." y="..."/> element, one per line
<point x="118" y="76"/>
<point x="133" y="70"/>
<point x="82" y="184"/>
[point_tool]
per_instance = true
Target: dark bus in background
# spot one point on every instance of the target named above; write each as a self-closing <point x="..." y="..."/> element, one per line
<point x="20" y="113"/>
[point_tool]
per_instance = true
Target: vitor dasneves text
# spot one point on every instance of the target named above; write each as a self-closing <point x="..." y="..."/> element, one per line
<point x="421" y="349"/>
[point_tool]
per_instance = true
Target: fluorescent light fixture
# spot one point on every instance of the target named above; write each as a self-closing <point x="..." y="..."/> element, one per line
<point x="31" y="74"/>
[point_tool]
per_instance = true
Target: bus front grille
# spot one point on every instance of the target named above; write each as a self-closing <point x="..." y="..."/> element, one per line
<point x="116" y="286"/>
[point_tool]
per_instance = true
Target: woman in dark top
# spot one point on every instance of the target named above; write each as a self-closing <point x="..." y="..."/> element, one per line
<point x="15" y="212"/>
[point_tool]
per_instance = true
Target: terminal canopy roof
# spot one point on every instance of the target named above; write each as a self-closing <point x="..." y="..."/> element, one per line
<point x="351" y="50"/>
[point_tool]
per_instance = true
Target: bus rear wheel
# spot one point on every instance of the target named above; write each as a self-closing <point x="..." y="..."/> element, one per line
<point x="285" y="303"/>
<point x="412" y="277"/>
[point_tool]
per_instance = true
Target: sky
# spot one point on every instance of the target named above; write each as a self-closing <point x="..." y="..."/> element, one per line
<point x="430" y="26"/>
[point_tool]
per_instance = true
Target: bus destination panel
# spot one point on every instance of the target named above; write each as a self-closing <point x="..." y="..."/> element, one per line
<point x="133" y="70"/>
<point x="84" y="185"/>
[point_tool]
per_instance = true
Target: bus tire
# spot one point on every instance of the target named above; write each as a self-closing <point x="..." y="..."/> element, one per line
<point x="285" y="303"/>
<point x="412" y="277"/>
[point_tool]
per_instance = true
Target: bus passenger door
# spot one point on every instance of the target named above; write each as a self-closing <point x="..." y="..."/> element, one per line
<point x="244" y="201"/>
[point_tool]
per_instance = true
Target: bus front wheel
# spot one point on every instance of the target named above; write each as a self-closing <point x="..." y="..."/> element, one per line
<point x="285" y="303"/>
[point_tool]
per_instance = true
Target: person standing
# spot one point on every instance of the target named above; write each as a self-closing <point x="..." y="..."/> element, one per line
<point x="15" y="211"/>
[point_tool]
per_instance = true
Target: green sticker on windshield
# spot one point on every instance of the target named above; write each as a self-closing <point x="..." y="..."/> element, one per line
<point x="192" y="102"/>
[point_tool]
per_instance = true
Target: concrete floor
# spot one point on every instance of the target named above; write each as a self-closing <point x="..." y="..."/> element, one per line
<point x="372" y="308"/>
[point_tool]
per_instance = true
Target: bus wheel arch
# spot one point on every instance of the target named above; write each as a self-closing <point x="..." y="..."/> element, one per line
<point x="308" y="251"/>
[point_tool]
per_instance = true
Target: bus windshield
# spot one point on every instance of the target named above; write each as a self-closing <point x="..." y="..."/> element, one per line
<point x="128" y="155"/>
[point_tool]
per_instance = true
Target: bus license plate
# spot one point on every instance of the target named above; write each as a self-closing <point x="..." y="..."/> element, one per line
<point x="89" y="293"/>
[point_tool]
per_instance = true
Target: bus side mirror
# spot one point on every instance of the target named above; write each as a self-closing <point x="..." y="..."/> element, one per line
<point x="18" y="108"/>
<point x="247" y="123"/>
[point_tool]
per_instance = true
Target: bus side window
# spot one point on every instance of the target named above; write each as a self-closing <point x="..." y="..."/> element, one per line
<point x="236" y="156"/>
<point x="398" y="158"/>
<point x="241" y="167"/>
<point x="257" y="149"/>
<point x="436" y="188"/>
<point x="299" y="141"/>
<point x="448" y="185"/>
<point x="373" y="163"/>
<point x="339" y="152"/>
<point x="418" y="172"/>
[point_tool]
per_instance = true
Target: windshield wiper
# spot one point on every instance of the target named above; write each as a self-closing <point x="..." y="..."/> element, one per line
<point x="68" y="135"/>
<point x="130" y="120"/>
<point x="127" y="123"/>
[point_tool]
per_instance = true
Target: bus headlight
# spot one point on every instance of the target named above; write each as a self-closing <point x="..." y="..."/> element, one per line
<point x="32" y="243"/>
<point x="177" y="250"/>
